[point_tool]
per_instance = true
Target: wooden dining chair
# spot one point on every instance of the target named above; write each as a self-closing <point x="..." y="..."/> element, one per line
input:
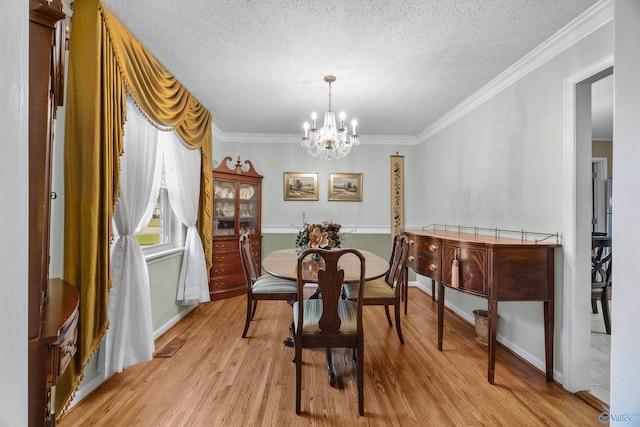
<point x="330" y="321"/>
<point x="601" y="277"/>
<point x="386" y="290"/>
<point x="261" y="287"/>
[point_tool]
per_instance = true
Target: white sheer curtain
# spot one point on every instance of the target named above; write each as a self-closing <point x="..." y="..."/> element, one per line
<point x="130" y="336"/>
<point x="182" y="176"/>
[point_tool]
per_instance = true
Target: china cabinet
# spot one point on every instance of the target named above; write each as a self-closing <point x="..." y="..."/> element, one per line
<point x="237" y="202"/>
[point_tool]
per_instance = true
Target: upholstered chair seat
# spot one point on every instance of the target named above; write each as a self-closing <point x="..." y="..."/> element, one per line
<point x="377" y="288"/>
<point x="271" y="284"/>
<point x="347" y="311"/>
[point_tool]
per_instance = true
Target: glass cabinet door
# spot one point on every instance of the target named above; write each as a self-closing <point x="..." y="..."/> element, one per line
<point x="224" y="208"/>
<point x="248" y="207"/>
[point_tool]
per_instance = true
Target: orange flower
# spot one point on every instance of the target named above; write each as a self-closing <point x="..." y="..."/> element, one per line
<point x="318" y="238"/>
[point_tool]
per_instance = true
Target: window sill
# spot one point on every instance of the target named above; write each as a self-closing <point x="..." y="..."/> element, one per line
<point x="162" y="252"/>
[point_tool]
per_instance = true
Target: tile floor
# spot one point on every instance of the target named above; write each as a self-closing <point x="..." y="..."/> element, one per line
<point x="600" y="357"/>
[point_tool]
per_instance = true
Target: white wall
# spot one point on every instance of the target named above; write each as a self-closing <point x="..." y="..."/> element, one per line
<point x="271" y="160"/>
<point x="502" y="165"/>
<point x="625" y="345"/>
<point x="14" y="227"/>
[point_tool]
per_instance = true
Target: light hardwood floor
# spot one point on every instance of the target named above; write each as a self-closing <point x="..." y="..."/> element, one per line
<point x="600" y="358"/>
<point x="219" y="379"/>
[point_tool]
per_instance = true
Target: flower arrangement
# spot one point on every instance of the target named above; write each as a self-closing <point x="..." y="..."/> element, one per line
<point x="325" y="235"/>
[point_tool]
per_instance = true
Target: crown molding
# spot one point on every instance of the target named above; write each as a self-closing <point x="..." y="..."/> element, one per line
<point x="593" y="19"/>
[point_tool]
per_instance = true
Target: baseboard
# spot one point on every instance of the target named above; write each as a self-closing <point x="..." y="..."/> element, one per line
<point x="175" y="319"/>
<point x="86" y="389"/>
<point x="593" y="401"/>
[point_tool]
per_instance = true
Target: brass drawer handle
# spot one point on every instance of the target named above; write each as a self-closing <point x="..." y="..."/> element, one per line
<point x="411" y="258"/>
<point x="219" y="258"/>
<point x="433" y="247"/>
<point x="433" y="267"/>
<point x="410" y="242"/>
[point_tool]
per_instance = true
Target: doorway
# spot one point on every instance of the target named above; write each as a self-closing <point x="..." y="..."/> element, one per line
<point x="578" y="224"/>
<point x="602" y="211"/>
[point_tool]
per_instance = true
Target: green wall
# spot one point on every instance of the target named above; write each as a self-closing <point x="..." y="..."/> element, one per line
<point x="379" y="244"/>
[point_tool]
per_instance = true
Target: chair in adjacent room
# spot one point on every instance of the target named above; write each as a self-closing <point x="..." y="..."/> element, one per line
<point x="330" y="321"/>
<point x="261" y="287"/>
<point x="386" y="290"/>
<point x="601" y="277"/>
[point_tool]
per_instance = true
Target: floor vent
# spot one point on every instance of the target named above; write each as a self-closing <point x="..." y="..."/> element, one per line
<point x="170" y="348"/>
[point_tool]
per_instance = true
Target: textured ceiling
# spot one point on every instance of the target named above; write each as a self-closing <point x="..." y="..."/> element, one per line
<point x="258" y="65"/>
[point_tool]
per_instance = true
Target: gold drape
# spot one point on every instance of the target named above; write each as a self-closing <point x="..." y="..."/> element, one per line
<point x="105" y="64"/>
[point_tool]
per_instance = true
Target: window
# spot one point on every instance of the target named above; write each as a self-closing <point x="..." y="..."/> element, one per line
<point x="164" y="231"/>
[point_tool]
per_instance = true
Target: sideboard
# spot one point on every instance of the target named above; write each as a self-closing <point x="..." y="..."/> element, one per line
<point x="489" y="266"/>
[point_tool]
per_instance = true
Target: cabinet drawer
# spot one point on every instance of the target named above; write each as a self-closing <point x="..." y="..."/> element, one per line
<point x="68" y="349"/>
<point x="219" y="270"/>
<point x="226" y="257"/>
<point x="412" y="260"/>
<point x="219" y="284"/>
<point x="472" y="264"/>
<point x="427" y="266"/>
<point x="225" y="245"/>
<point x="427" y="245"/>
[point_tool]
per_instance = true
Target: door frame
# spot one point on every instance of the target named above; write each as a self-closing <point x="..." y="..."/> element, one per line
<point x="576" y="242"/>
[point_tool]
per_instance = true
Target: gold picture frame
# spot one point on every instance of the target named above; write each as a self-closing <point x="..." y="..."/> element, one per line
<point x="300" y="185"/>
<point x="345" y="187"/>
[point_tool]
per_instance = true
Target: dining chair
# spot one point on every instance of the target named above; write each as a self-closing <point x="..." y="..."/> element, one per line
<point x="261" y="287"/>
<point x="386" y="290"/>
<point x="601" y="277"/>
<point x="330" y="321"/>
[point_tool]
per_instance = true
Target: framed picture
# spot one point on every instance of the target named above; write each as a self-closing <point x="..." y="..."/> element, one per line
<point x="301" y="186"/>
<point x="345" y="187"/>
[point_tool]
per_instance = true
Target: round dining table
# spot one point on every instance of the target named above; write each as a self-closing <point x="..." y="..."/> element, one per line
<point x="283" y="263"/>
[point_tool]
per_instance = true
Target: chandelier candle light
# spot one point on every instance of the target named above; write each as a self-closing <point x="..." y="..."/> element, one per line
<point x="330" y="141"/>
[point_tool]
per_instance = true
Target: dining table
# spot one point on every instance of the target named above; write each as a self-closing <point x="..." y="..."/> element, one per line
<point x="283" y="263"/>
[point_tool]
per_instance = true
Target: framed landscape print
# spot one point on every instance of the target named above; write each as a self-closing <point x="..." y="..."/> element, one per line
<point x="301" y="186"/>
<point x="345" y="187"/>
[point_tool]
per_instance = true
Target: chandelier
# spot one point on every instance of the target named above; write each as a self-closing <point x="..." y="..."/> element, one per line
<point x="329" y="141"/>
